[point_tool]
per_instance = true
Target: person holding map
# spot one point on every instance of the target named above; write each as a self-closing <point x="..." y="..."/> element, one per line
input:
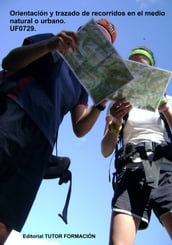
<point x="143" y="161"/>
<point x="46" y="89"/>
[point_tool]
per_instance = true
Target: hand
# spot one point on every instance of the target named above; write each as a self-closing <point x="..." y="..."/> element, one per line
<point x="63" y="41"/>
<point x="119" y="109"/>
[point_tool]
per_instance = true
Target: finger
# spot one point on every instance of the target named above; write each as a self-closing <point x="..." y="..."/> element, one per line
<point x="70" y="39"/>
<point x="120" y="101"/>
<point x="119" y="111"/>
<point x="120" y="104"/>
<point x="62" y="46"/>
<point x="74" y="36"/>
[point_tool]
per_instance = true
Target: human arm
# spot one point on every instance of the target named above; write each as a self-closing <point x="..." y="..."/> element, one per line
<point x="20" y="57"/>
<point x="166" y="109"/>
<point x="83" y="119"/>
<point x="168" y="116"/>
<point x="117" y="111"/>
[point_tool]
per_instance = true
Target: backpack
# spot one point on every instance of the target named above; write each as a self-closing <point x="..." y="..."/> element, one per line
<point x="58" y="167"/>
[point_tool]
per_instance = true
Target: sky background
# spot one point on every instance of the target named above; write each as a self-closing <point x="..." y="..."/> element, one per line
<point x="90" y="205"/>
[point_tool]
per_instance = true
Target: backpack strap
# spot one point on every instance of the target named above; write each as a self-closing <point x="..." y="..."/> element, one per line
<point x="63" y="215"/>
<point x="120" y="141"/>
<point x="58" y="168"/>
<point x="161" y="116"/>
<point x="121" y="135"/>
<point x="167" y="127"/>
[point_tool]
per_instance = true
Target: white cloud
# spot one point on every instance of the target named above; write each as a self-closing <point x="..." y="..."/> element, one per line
<point x="16" y="238"/>
<point x="144" y="4"/>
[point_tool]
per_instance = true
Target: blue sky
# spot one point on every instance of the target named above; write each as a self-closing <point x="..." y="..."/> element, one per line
<point x="90" y="206"/>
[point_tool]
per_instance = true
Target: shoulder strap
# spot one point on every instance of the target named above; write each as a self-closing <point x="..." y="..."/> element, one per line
<point x="125" y="118"/>
<point x="167" y="127"/>
<point x="120" y="141"/>
<point x="162" y="117"/>
<point x="169" y="132"/>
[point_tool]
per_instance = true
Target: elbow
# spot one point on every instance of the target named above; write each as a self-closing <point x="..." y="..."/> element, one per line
<point x="105" y="154"/>
<point x="79" y="133"/>
<point x="105" y="151"/>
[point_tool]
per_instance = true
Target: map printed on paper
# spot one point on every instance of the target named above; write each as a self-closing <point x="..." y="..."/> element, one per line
<point x="104" y="74"/>
<point x="147" y="88"/>
<point x="97" y="64"/>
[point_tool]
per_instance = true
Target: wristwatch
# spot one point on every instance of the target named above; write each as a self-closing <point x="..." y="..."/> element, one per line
<point x="114" y="130"/>
<point x="100" y="107"/>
